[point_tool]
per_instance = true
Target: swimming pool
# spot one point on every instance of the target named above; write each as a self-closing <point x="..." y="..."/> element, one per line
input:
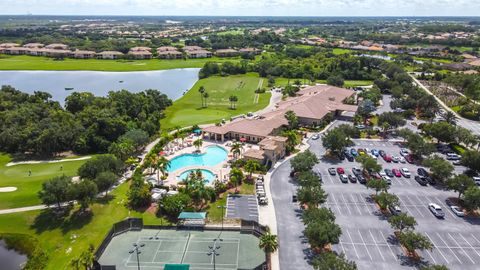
<point x="213" y="155"/>
<point x="207" y="175"/>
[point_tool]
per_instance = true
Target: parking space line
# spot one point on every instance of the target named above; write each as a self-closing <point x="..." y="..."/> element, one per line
<point x="389" y="246"/>
<point x="441" y="239"/>
<point x="346" y="205"/>
<point x="469" y="244"/>
<point x="336" y="204"/>
<point x="468" y="256"/>
<point x="473" y="236"/>
<point x="351" y="240"/>
<point x="373" y="238"/>
<point x="439" y="251"/>
<point x="356" y="205"/>
<point x="368" y="252"/>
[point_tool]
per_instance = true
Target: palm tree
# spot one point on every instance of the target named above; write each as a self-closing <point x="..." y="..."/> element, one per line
<point x="236" y="149"/>
<point x="236" y="177"/>
<point x="76" y="264"/>
<point x="198" y="143"/>
<point x="269" y="244"/>
<point x="161" y="165"/>
<point x="251" y="166"/>
<point x="201" y="90"/>
<point x="88" y="257"/>
<point x="205" y="96"/>
<point x="233" y="100"/>
<point x="150" y="161"/>
<point x="450" y="118"/>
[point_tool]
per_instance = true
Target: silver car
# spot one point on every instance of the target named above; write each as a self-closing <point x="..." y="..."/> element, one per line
<point x="457" y="210"/>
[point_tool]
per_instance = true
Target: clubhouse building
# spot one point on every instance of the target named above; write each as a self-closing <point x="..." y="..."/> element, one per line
<point x="311" y="105"/>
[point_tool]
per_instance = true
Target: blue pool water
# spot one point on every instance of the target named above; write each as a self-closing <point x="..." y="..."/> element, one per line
<point x="207" y="175"/>
<point x="214" y="155"/>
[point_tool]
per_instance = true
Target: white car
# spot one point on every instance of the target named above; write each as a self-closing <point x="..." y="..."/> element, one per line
<point x="404" y="152"/>
<point x="457" y="210"/>
<point x="402" y="160"/>
<point x="436" y="210"/>
<point x="405" y="172"/>
<point x="387" y="179"/>
<point x="315" y="137"/>
<point x="395" y="159"/>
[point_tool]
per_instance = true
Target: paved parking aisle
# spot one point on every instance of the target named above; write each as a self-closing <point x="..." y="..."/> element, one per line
<point x="242" y="206"/>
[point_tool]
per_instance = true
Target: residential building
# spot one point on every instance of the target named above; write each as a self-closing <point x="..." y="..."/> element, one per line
<point x="83" y="54"/>
<point x="33" y="45"/>
<point x="250" y="50"/>
<point x="140" y="55"/>
<point x="56" y="46"/>
<point x="169" y="52"/>
<point x="109" y="55"/>
<point x="197" y="52"/>
<point x="141" y="49"/>
<point x="226" y="53"/>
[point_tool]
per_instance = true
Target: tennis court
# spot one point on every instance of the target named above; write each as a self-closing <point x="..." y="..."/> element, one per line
<point x="233" y="250"/>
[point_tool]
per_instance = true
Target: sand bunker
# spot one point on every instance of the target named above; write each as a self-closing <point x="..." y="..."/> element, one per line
<point x="7" y="189"/>
<point x="46" y="161"/>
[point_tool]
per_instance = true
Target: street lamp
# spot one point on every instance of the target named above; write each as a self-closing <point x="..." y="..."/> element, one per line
<point x="214" y="252"/>
<point x="136" y="249"/>
<point x="222" y="207"/>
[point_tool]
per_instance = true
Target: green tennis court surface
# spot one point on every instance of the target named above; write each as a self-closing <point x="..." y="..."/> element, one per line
<point x="160" y="247"/>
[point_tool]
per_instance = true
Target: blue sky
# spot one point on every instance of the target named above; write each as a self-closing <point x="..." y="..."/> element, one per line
<point x="245" y="7"/>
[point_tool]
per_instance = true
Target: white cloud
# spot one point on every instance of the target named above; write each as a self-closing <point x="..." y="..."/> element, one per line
<point x="245" y="7"/>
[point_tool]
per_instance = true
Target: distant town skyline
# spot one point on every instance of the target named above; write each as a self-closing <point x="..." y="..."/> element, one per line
<point x="244" y="7"/>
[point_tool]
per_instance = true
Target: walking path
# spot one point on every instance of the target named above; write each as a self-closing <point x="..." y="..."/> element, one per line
<point x="46" y="161"/>
<point x="473" y="126"/>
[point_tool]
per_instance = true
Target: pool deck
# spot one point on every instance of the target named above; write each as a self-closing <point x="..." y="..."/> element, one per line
<point x="221" y="170"/>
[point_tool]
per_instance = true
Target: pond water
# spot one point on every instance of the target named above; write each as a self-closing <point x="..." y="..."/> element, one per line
<point x="173" y="82"/>
<point x="10" y="259"/>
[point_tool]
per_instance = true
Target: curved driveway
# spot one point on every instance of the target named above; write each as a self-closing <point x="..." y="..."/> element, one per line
<point x="294" y="248"/>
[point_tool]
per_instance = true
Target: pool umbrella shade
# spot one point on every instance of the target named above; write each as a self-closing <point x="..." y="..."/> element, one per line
<point x="243" y="139"/>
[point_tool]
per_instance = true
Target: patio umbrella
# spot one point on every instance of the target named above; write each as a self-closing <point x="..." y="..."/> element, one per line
<point x="243" y="139"/>
<point x="162" y="153"/>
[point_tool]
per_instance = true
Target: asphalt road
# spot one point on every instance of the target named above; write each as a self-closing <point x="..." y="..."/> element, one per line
<point x="294" y="250"/>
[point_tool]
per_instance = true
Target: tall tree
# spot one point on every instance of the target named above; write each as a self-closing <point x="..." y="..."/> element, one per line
<point x="440" y="169"/>
<point x="402" y="222"/>
<point x="471" y="198"/>
<point x="84" y="192"/>
<point x="201" y="90"/>
<point x="161" y="165"/>
<point x="251" y="166"/>
<point x="413" y="241"/>
<point x="460" y="183"/>
<point x="236" y="149"/>
<point x="269" y="244"/>
<point x="335" y="140"/>
<point x="292" y="119"/>
<point x="321" y="233"/>
<point x="105" y="181"/>
<point x="330" y="261"/>
<point x="369" y="164"/>
<point x="55" y="191"/>
<point x="205" y="97"/>
<point x="378" y="185"/>
<point x="312" y="196"/>
<point x="198" y="144"/>
<point x="386" y="200"/>
<point x="304" y="161"/>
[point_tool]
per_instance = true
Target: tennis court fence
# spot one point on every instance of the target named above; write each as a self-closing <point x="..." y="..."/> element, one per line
<point x="136" y="224"/>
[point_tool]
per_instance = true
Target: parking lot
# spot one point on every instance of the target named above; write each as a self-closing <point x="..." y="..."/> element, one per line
<point x="367" y="237"/>
<point x="242" y="206"/>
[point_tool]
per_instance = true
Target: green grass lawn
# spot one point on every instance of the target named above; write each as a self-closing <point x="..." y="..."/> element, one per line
<point x="26" y="62"/>
<point x="282" y="82"/>
<point x="187" y="110"/>
<point x="28" y="186"/>
<point x="65" y="240"/>
<point x="338" y="51"/>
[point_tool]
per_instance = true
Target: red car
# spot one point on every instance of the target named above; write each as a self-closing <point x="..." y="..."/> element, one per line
<point x="340" y="170"/>
<point x="397" y="172"/>
<point x="409" y="159"/>
<point x="387" y="158"/>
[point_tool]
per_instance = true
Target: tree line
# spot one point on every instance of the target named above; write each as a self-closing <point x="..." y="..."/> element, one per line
<point x="35" y="124"/>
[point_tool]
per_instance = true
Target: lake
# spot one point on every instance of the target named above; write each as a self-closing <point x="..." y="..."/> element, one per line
<point x="173" y="82"/>
<point x="10" y="259"/>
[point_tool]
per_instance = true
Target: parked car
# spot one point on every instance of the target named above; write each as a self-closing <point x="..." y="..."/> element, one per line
<point x="395" y="210"/>
<point x="436" y="210"/>
<point x="430" y="181"/>
<point x="340" y="170"/>
<point x="387" y="179"/>
<point x="350" y="157"/>
<point x="457" y="210"/>
<point x="360" y="126"/>
<point x="352" y="178"/>
<point x="361" y="151"/>
<point x="421" y="180"/>
<point x="353" y="152"/>
<point x="341" y="156"/>
<point x="404" y="152"/>
<point x="361" y="179"/>
<point x="332" y="171"/>
<point x="389" y="173"/>
<point x="315" y="137"/>
<point x="356" y="171"/>
<point x="397" y="173"/>
<point x="457" y="162"/>
<point x="452" y="156"/>
<point x="402" y="160"/>
<point x="387" y="158"/>
<point x="382" y="153"/>
<point x="477" y="180"/>
<point x="405" y="172"/>
<point x="343" y="178"/>
<point x="395" y="159"/>
<point x="294" y="198"/>
<point x="375" y="152"/>
<point x="422" y="172"/>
